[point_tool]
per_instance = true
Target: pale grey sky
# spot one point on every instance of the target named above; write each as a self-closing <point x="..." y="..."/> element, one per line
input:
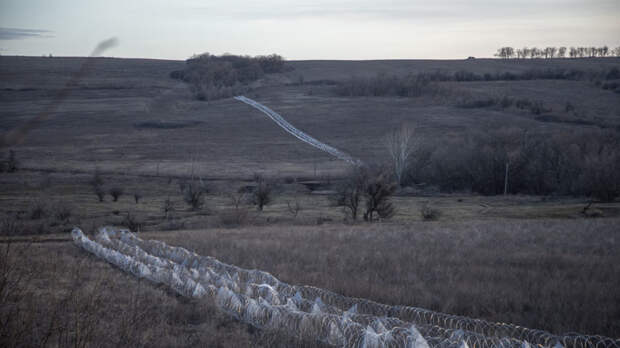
<point x="299" y="29"/>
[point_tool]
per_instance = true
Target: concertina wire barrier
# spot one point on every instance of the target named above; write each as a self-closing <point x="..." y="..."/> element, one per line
<point x="280" y="121"/>
<point x="261" y="300"/>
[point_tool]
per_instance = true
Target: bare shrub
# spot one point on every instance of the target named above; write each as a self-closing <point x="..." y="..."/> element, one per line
<point x="116" y="192"/>
<point x="384" y="85"/>
<point x="237" y="198"/>
<point x="167" y="207"/>
<point x="193" y="194"/>
<point x="262" y="194"/>
<point x="349" y="193"/>
<point x="377" y="193"/>
<point x="132" y="222"/>
<point x="294" y="208"/>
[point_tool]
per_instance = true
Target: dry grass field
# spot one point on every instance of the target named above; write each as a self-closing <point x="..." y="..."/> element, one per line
<point x="536" y="261"/>
<point x="550" y="274"/>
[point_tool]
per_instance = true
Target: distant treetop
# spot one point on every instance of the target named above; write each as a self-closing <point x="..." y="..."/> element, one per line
<point x="557" y="52"/>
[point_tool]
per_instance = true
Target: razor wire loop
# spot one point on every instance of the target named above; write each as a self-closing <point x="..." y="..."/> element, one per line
<point x="260" y="299"/>
<point x="280" y="121"/>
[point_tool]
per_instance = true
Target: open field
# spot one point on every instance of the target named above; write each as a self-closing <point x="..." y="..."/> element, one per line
<point x="548" y="274"/>
<point x="107" y="120"/>
<point x="529" y="260"/>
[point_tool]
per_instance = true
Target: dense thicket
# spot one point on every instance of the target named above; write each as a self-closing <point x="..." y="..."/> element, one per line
<point x="213" y="77"/>
<point x="585" y="163"/>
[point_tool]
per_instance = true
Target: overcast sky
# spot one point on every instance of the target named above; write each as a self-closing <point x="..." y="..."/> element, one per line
<point x="299" y="29"/>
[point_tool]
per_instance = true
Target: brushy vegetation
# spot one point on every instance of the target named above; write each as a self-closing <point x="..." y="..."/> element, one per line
<point x="415" y="85"/>
<point x="535" y="107"/>
<point x="213" y="77"/>
<point x="263" y="192"/>
<point x="368" y="185"/>
<point x="194" y="193"/>
<point x="585" y="163"/>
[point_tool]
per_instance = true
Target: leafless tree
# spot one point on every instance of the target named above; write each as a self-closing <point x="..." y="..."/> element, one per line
<point x="562" y="52"/>
<point x="349" y="193"/>
<point x="237" y="198"/>
<point x="377" y="193"/>
<point x="401" y="144"/>
<point x="193" y="193"/>
<point x="168" y="207"/>
<point x="505" y="52"/>
<point x="294" y="207"/>
<point x="573" y="52"/>
<point x="262" y="193"/>
<point x="116" y="192"/>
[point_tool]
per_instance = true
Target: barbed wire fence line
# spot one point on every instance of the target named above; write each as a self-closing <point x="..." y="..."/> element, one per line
<point x="261" y="300"/>
<point x="280" y="121"/>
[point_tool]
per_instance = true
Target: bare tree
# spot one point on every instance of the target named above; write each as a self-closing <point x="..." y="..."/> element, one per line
<point x="262" y="193"/>
<point x="116" y="192"/>
<point x="377" y="192"/>
<point x="562" y="52"/>
<point x="573" y="53"/>
<point x="349" y="193"/>
<point x="401" y="144"/>
<point x="193" y="193"/>
<point x="294" y="207"/>
<point x="505" y="52"/>
<point x="237" y="198"/>
<point x="167" y="207"/>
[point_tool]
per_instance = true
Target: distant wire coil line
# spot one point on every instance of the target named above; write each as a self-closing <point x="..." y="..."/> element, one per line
<point x="280" y="121"/>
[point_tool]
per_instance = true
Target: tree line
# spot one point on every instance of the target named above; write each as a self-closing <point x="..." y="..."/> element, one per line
<point x="510" y="160"/>
<point x="557" y="52"/>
